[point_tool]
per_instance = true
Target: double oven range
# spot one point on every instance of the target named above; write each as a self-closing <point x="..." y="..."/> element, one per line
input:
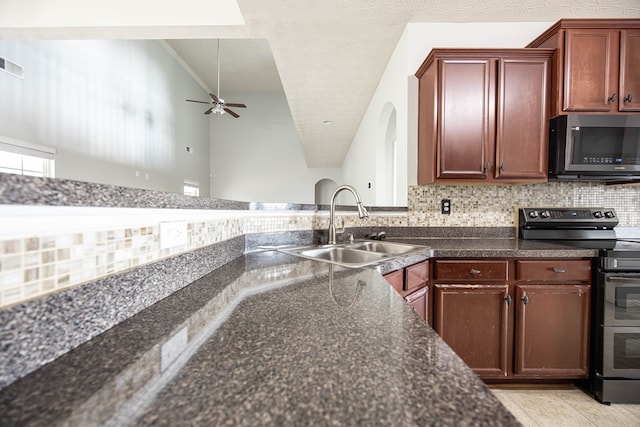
<point x="615" y="316"/>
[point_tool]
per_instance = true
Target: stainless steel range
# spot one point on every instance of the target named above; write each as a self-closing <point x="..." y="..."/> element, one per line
<point x="615" y="326"/>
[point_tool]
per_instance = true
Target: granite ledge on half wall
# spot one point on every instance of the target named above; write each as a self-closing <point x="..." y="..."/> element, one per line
<point x="38" y="331"/>
<point x="28" y="190"/>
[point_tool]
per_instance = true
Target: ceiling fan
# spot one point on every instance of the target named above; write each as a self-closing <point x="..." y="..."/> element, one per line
<point x="219" y="107"/>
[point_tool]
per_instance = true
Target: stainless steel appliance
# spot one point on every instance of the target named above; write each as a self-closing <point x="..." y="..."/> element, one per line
<point x="615" y="326"/>
<point x="594" y="147"/>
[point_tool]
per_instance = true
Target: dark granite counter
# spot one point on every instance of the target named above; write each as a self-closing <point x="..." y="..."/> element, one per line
<point x="267" y="339"/>
<point x="490" y="247"/>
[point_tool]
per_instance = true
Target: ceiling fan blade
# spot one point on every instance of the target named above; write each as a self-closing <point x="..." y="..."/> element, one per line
<point x="209" y="110"/>
<point x="230" y="104"/>
<point x="231" y="113"/>
<point x="201" y="102"/>
<point x="215" y="98"/>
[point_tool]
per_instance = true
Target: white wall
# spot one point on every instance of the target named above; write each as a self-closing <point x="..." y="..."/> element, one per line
<point x="115" y="110"/>
<point x="398" y="87"/>
<point x="257" y="157"/>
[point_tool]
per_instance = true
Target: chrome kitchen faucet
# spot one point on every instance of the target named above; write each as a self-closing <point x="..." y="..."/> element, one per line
<point x="362" y="211"/>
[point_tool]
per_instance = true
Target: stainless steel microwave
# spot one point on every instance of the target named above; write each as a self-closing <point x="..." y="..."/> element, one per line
<point x="594" y="147"/>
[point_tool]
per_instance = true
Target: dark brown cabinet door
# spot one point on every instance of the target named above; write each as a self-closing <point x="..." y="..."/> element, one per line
<point x="522" y="118"/>
<point x="473" y="321"/>
<point x="629" y="99"/>
<point x="591" y="70"/>
<point x="465" y="120"/>
<point x="412" y="283"/>
<point x="419" y="300"/>
<point x="552" y="330"/>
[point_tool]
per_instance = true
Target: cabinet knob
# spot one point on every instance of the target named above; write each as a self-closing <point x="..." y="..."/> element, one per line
<point x="612" y="98"/>
<point x="525" y="300"/>
<point x="628" y="98"/>
<point x="501" y="167"/>
<point x="558" y="270"/>
<point x="508" y="299"/>
<point x="474" y="271"/>
<point x="487" y="166"/>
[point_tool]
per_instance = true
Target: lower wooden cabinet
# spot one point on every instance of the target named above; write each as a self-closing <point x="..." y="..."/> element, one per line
<point x="473" y="321"/>
<point x="412" y="283"/>
<point x="510" y="319"/>
<point x="552" y="330"/>
<point x="419" y="300"/>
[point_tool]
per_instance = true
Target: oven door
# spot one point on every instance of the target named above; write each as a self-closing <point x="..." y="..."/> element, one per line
<point x="622" y="299"/>
<point x="621" y="352"/>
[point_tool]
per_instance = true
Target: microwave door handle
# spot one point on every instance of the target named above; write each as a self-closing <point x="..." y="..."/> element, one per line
<point x="623" y="279"/>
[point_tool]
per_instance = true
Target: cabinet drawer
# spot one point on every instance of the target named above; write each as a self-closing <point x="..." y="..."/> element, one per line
<point x="471" y="270"/>
<point x="554" y="270"/>
<point x="396" y="280"/>
<point x="416" y="276"/>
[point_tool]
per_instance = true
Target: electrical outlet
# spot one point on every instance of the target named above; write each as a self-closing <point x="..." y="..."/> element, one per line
<point x="445" y="206"/>
<point x="172" y="234"/>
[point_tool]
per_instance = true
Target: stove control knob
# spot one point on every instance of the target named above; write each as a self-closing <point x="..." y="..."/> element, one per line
<point x="597" y="214"/>
<point x="609" y="214"/>
<point x="533" y="214"/>
<point x="545" y="214"/>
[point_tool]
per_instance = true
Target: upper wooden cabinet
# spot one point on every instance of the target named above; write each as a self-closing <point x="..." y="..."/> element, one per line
<point x="596" y="67"/>
<point x="480" y="111"/>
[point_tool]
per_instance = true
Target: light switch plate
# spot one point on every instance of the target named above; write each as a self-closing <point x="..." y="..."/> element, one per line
<point x="172" y="234"/>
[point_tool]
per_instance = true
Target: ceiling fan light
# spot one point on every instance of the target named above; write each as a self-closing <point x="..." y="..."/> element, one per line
<point x="217" y="109"/>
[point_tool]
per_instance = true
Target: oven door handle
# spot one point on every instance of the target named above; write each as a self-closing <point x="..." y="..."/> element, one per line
<point x="623" y="279"/>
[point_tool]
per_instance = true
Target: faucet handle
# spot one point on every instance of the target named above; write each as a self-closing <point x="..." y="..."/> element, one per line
<point x="377" y="236"/>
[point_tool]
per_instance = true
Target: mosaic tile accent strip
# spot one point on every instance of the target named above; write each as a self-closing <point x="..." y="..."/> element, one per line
<point x="34" y="266"/>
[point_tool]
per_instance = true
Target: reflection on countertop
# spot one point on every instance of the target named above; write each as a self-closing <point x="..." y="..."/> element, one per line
<point x="266" y="339"/>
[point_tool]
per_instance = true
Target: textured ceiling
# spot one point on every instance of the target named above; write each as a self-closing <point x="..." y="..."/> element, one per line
<point x="331" y="54"/>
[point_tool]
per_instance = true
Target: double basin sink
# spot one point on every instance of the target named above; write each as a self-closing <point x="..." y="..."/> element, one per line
<point x="356" y="254"/>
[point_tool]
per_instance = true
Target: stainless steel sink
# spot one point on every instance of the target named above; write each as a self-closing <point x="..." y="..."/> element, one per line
<point x="343" y="256"/>
<point x="389" y="248"/>
<point x="359" y="254"/>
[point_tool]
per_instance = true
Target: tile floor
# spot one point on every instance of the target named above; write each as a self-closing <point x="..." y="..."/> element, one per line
<point x="563" y="406"/>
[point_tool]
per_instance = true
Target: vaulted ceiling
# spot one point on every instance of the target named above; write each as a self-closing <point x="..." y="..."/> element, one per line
<point x="331" y="54"/>
<point x="327" y="55"/>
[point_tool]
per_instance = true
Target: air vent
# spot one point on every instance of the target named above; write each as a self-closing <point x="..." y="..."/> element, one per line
<point x="11" y="68"/>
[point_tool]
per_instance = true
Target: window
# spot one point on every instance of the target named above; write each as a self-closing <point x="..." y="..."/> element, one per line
<point x="191" y="188"/>
<point x="24" y="158"/>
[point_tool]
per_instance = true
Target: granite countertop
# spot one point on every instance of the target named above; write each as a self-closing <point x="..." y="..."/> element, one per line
<point x="489" y="247"/>
<point x="265" y="339"/>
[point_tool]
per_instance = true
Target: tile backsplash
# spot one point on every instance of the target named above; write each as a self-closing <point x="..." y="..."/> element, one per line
<point x="494" y="205"/>
<point x="49" y="250"/>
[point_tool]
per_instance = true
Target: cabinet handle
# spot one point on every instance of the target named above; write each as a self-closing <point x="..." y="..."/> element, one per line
<point x="501" y="167"/>
<point x="525" y="300"/>
<point x="474" y="271"/>
<point x="487" y="166"/>
<point x="612" y="98"/>
<point x="559" y="270"/>
<point x="508" y="299"/>
<point x="628" y="98"/>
